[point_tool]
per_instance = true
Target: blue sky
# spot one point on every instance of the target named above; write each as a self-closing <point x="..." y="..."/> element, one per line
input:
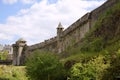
<point x="36" y="20"/>
<point x="8" y="9"/>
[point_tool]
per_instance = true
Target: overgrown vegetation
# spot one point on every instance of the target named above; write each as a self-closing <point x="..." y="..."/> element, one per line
<point x="105" y="32"/>
<point x="12" y="73"/>
<point x="97" y="58"/>
<point x="91" y="70"/>
<point x="44" y="66"/>
<point x="3" y="55"/>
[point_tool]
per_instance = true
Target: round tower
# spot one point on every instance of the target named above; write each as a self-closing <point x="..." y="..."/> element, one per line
<point x="59" y="37"/>
<point x="18" y="49"/>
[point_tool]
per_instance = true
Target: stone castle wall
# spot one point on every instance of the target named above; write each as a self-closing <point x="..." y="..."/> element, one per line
<point x="48" y="45"/>
<point x="74" y="33"/>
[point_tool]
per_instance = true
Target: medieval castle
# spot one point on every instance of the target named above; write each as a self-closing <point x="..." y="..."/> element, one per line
<point x="65" y="38"/>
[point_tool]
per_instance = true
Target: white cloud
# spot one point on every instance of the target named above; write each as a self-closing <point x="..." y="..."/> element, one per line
<point x="9" y="1"/>
<point x="23" y="1"/>
<point x="28" y="1"/>
<point x="39" y="22"/>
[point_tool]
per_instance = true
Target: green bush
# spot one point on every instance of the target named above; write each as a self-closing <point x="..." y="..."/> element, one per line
<point x="44" y="66"/>
<point x="113" y="72"/>
<point x="93" y="70"/>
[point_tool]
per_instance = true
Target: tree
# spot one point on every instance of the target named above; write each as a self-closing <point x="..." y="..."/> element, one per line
<point x="3" y="55"/>
<point x="44" y="66"/>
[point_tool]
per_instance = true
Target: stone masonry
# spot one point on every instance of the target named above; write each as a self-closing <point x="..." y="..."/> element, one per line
<point x="65" y="38"/>
<point x="18" y="51"/>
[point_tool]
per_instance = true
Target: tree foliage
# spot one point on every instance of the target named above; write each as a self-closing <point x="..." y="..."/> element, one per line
<point x="44" y="66"/>
<point x="89" y="71"/>
<point x="113" y="72"/>
<point x="3" y="55"/>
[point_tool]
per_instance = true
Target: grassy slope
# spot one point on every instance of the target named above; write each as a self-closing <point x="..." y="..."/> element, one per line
<point x="104" y="38"/>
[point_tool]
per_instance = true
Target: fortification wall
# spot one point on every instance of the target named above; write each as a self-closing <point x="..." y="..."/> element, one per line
<point x="48" y="45"/>
<point x="69" y="36"/>
<point x="75" y="32"/>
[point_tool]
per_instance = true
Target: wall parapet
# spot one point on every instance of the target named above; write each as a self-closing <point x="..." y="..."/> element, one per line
<point x="76" y="24"/>
<point x="42" y="44"/>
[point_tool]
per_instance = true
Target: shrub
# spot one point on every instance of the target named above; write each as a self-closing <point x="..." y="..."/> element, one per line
<point x="89" y="71"/>
<point x="113" y="72"/>
<point x="44" y="66"/>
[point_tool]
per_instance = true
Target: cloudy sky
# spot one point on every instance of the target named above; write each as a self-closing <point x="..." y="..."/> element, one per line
<point x="36" y="20"/>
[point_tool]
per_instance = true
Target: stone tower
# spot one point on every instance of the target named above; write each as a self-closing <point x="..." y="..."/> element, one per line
<point x="59" y="37"/>
<point x="17" y="51"/>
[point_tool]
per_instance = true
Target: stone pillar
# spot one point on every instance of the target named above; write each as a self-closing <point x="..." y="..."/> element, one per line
<point x="19" y="54"/>
<point x="17" y="51"/>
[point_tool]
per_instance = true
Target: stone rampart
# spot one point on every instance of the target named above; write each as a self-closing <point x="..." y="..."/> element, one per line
<point x="75" y="32"/>
<point x="78" y="23"/>
<point x="43" y="45"/>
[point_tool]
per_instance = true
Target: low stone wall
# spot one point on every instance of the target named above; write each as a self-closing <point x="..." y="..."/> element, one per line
<point x="5" y="62"/>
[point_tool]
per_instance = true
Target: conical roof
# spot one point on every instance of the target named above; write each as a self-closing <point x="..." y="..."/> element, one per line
<point x="60" y="26"/>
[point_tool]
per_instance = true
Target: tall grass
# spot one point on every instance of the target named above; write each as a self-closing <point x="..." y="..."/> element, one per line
<point x="12" y="72"/>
